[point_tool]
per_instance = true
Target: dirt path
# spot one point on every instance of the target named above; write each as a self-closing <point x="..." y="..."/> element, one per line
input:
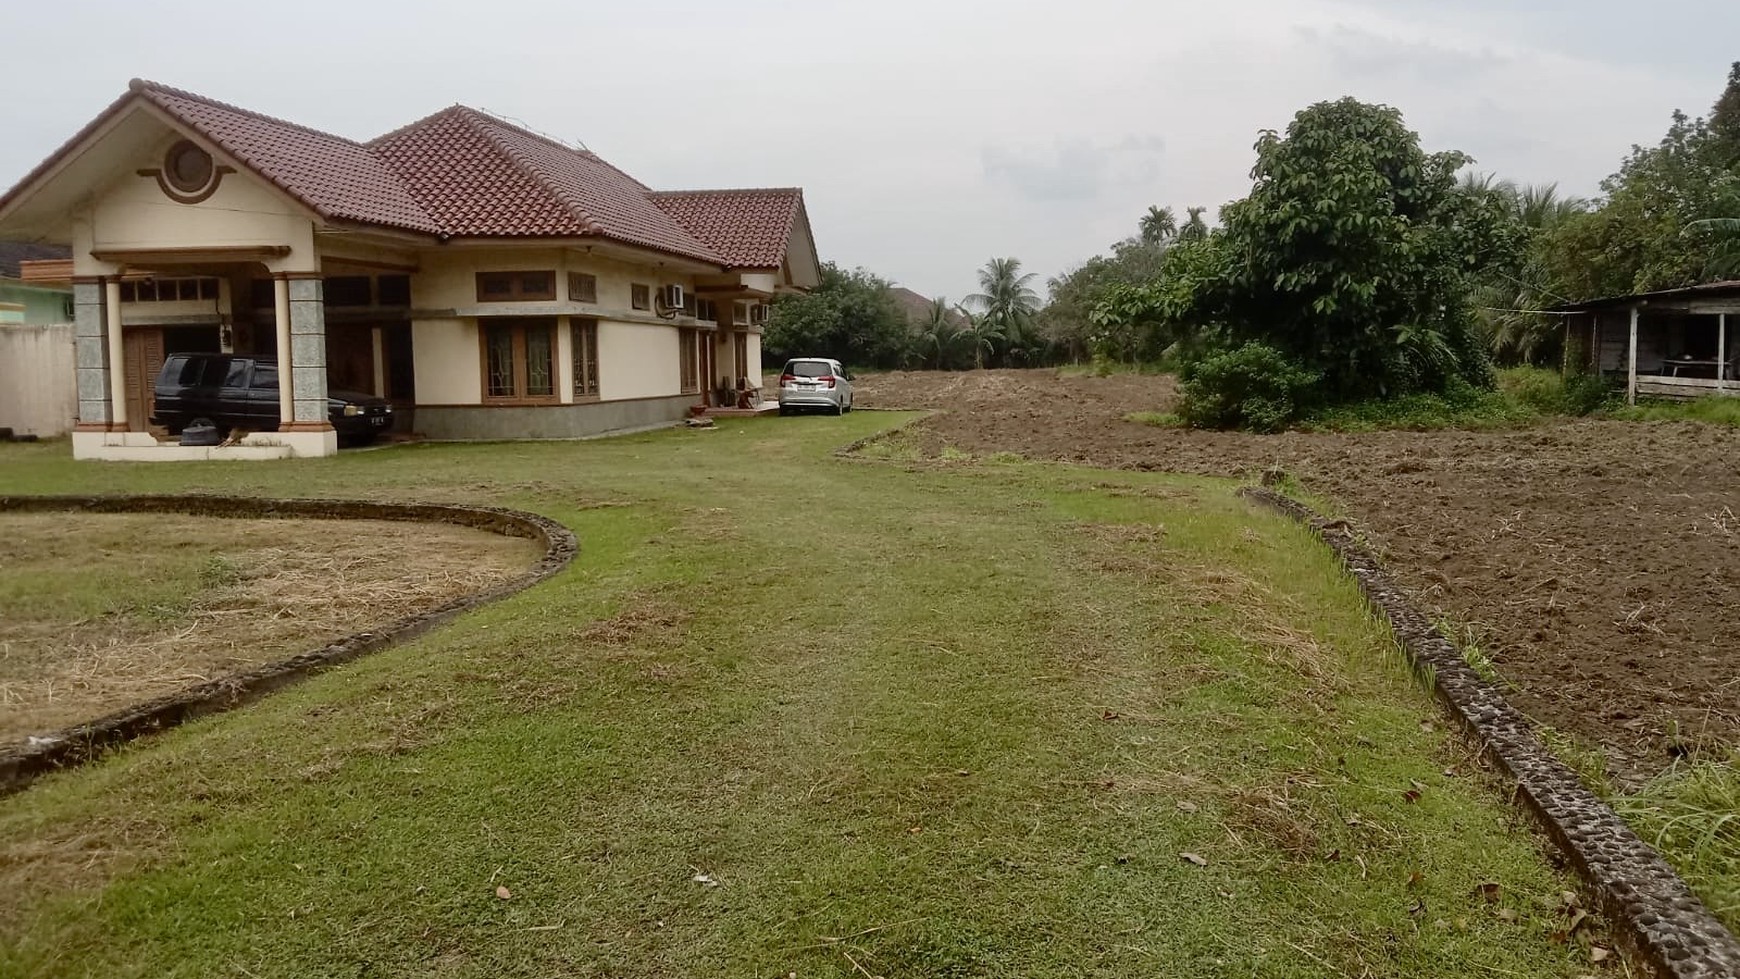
<point x="1596" y="562"/>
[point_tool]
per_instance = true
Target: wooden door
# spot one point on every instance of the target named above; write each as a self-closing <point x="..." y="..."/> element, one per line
<point x="142" y="356"/>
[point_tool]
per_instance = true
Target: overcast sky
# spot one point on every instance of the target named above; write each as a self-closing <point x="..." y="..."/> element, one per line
<point x="929" y="135"/>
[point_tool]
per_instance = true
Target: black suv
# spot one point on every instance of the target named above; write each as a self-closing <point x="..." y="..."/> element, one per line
<point x="237" y="392"/>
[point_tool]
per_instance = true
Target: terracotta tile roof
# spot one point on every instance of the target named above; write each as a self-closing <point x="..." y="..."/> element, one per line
<point x="464" y="173"/>
<point x="14" y="252"/>
<point x="480" y="176"/>
<point x="336" y="177"/>
<point x="750" y="227"/>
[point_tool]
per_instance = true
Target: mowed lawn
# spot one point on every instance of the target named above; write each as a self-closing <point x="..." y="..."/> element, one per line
<point x="793" y="714"/>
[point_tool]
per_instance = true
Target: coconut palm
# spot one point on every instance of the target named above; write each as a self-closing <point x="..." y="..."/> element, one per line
<point x="1509" y="296"/>
<point x="942" y="336"/>
<point x="1006" y="301"/>
<point x="1158" y="225"/>
<point x="982" y="332"/>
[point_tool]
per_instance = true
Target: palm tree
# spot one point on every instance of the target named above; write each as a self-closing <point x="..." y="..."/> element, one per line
<point x="1509" y="297"/>
<point x="1724" y="260"/>
<point x="941" y="335"/>
<point x="983" y="333"/>
<point x="1006" y="301"/>
<point x="1195" y="228"/>
<point x="1158" y="225"/>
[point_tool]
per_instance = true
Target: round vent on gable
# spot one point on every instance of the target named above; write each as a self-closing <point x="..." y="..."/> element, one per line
<point x="189" y="174"/>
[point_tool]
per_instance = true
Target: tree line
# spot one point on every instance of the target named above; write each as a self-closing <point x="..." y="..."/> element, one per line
<point x="1359" y="266"/>
<point x="853" y="316"/>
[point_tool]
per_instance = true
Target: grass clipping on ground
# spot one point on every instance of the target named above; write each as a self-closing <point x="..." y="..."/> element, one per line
<point x="102" y="611"/>
<point x="957" y="720"/>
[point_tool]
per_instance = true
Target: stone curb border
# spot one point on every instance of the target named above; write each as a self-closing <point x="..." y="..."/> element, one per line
<point x="23" y="764"/>
<point x="1651" y="908"/>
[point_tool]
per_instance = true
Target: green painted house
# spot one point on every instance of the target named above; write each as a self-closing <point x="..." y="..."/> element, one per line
<point x="32" y="302"/>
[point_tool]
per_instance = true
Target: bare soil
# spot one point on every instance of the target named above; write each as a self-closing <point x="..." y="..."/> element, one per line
<point x="1596" y="562"/>
<point x="103" y="611"/>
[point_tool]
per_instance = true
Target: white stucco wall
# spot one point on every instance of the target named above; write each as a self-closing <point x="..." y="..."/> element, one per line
<point x="132" y="212"/>
<point x="638" y="361"/>
<point x="447" y="279"/>
<point x="445" y="355"/>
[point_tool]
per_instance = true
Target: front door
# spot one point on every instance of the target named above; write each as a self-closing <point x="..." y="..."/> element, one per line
<point x="142" y="351"/>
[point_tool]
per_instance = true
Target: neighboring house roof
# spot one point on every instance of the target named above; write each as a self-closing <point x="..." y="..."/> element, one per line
<point x="14" y="252"/>
<point x="750" y="227"/>
<point x="917" y="307"/>
<point x="464" y="173"/>
<point x="1713" y="290"/>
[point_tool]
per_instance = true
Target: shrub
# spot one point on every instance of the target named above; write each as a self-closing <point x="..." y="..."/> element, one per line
<point x="1546" y="392"/>
<point x="1587" y="393"/>
<point x="1254" y="387"/>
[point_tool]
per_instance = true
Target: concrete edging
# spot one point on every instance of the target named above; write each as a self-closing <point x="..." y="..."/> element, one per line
<point x="1652" y="910"/>
<point x="22" y="764"/>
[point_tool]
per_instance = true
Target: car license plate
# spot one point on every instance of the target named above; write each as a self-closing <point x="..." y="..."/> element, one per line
<point x="378" y="420"/>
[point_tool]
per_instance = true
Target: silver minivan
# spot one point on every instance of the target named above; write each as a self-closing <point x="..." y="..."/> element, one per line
<point x="814" y="383"/>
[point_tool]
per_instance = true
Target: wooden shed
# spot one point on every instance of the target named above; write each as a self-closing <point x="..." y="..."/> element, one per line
<point x="1674" y="343"/>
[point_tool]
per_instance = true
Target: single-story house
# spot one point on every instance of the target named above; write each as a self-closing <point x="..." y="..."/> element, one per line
<point x="26" y="294"/>
<point x="1674" y="343"/>
<point x="490" y="281"/>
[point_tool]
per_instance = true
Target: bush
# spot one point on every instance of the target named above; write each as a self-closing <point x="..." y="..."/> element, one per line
<point x="1254" y="387"/>
<point x="1546" y="392"/>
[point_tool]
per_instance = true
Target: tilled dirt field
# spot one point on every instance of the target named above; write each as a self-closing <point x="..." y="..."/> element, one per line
<point x="1596" y="562"/>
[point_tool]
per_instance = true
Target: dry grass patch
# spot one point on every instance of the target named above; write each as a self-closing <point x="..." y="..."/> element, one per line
<point x="102" y="611"/>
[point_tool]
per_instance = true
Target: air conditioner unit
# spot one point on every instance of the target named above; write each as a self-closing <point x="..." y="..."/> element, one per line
<point x="671" y="297"/>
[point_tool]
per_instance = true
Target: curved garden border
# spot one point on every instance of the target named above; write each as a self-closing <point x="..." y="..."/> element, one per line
<point x="21" y="765"/>
<point x="1651" y="908"/>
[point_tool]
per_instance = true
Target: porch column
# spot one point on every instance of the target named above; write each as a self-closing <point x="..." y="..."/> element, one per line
<point x="91" y="346"/>
<point x="1721" y="351"/>
<point x="1631" y="362"/>
<point x="281" y="317"/>
<point x="308" y="354"/>
<point x="117" y="355"/>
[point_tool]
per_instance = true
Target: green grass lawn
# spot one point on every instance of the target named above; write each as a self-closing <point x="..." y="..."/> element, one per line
<point x="791" y="714"/>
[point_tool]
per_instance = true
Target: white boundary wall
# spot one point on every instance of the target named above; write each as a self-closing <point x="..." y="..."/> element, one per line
<point x="38" y="392"/>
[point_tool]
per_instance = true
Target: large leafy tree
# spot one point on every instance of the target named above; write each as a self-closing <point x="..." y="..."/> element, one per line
<point x="1355" y="254"/>
<point x="1657" y="225"/>
<point x="850" y="316"/>
<point x="1068" y="321"/>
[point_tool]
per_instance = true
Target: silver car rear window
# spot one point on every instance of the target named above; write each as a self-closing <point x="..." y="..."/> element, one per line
<point x="809" y="368"/>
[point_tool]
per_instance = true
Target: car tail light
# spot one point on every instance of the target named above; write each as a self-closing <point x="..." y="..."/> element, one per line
<point x="787" y="378"/>
<point x="829" y="378"/>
